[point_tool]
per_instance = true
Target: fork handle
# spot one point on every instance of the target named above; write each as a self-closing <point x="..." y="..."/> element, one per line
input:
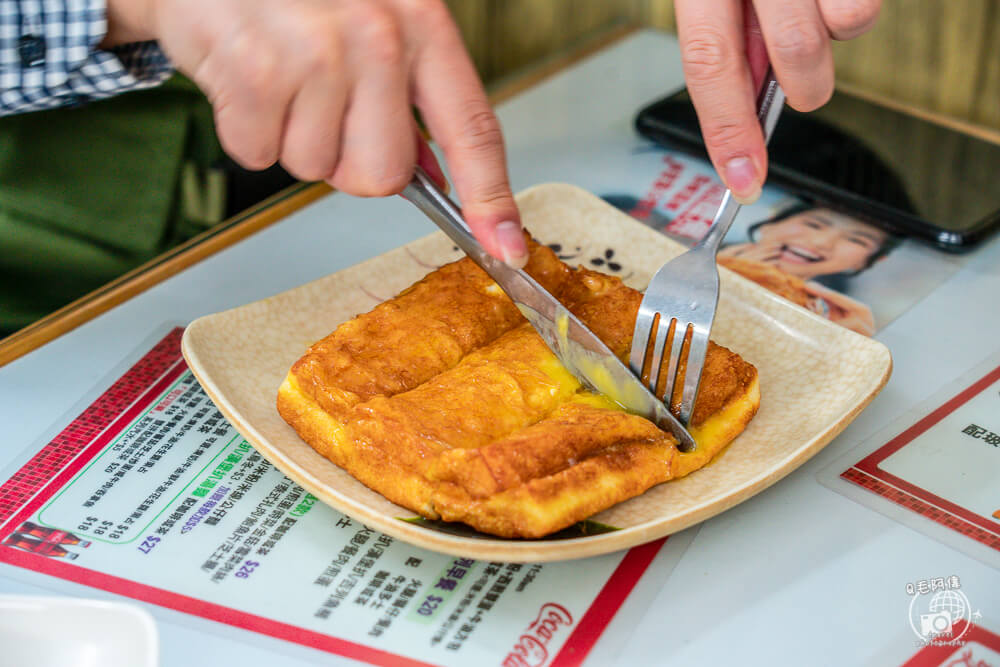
<point x="769" y="105"/>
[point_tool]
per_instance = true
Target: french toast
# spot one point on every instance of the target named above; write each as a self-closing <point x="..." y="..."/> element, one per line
<point x="447" y="402"/>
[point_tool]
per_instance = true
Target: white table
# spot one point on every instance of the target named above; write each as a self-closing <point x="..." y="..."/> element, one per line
<point x="797" y="575"/>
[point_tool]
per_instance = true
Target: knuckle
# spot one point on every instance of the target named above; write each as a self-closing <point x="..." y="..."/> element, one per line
<point x="251" y="155"/>
<point x="308" y="166"/>
<point x="493" y="195"/>
<point x="481" y="131"/>
<point x="726" y="133"/>
<point x="849" y="18"/>
<point x="322" y="49"/>
<point x="373" y="179"/>
<point x="705" y="55"/>
<point x="370" y="185"/>
<point x="257" y="157"/>
<point x="382" y="34"/>
<point x="797" y="41"/>
<point x="259" y="73"/>
<point x="255" y="152"/>
<point x="391" y="183"/>
<point x="307" y="172"/>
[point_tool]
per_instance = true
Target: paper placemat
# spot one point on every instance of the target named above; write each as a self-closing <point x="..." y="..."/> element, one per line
<point x="149" y="493"/>
<point x="937" y="469"/>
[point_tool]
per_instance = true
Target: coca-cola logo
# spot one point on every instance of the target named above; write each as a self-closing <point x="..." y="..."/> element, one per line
<point x="531" y="649"/>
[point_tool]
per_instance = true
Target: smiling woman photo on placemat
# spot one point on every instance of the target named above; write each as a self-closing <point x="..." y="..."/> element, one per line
<point x="813" y="252"/>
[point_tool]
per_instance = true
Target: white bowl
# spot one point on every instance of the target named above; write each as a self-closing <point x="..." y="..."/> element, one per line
<point x="51" y="631"/>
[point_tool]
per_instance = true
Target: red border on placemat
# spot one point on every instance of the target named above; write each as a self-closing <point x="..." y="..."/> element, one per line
<point x="867" y="474"/>
<point x="57" y="477"/>
<point x="606" y="604"/>
<point x="932" y="656"/>
<point x="38" y="472"/>
<point x="82" y="440"/>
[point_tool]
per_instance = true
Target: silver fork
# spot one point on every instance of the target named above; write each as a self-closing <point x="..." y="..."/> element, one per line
<point x="682" y="296"/>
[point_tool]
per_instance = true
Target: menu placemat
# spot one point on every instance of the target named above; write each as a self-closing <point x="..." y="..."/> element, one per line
<point x="937" y="471"/>
<point x="150" y="493"/>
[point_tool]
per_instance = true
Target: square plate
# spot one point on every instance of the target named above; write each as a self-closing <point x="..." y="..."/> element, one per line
<point x="815" y="377"/>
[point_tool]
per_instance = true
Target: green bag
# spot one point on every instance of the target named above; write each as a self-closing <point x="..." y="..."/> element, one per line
<point x="89" y="192"/>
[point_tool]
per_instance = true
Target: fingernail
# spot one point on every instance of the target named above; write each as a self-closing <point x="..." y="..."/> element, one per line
<point x="741" y="177"/>
<point x="510" y="240"/>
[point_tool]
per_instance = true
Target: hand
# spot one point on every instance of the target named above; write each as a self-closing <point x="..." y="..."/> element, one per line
<point x="326" y="88"/>
<point x="725" y="52"/>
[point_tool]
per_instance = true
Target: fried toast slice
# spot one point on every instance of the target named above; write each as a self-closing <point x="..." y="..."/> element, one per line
<point x="445" y="400"/>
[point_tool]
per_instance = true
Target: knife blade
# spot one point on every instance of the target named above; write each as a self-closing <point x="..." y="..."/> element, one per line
<point x="576" y="346"/>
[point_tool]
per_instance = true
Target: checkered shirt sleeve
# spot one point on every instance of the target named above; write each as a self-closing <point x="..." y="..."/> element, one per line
<point x="49" y="56"/>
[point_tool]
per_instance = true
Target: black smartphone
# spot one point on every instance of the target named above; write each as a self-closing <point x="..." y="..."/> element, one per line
<point x="910" y="176"/>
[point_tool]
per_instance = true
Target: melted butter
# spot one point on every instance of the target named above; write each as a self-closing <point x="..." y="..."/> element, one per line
<point x="613" y="396"/>
<point x="597" y="373"/>
<point x="596" y="401"/>
<point x="717" y="429"/>
<point x="623" y="395"/>
<point x="562" y="326"/>
<point x="564" y="380"/>
<point x="707" y="435"/>
<point x="567" y="385"/>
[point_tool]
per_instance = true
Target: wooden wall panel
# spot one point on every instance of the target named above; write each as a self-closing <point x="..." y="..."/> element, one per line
<point x="659" y="14"/>
<point x="506" y="35"/>
<point x="940" y="56"/>
<point x="472" y="17"/>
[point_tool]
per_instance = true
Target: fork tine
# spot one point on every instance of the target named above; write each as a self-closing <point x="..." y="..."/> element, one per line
<point x="697" y="350"/>
<point x="640" y="341"/>
<point x="656" y="354"/>
<point x="673" y="363"/>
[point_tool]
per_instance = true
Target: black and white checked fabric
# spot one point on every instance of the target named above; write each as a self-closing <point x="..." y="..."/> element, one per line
<point x="49" y="56"/>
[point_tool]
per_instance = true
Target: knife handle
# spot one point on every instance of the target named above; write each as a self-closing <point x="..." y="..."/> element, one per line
<point x="424" y="193"/>
<point x="436" y="205"/>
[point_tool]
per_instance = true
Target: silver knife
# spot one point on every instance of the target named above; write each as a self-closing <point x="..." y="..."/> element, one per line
<point x="577" y="347"/>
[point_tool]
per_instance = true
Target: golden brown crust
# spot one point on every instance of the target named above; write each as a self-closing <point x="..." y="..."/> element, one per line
<point x="424" y="330"/>
<point x="547" y="504"/>
<point x="570" y="434"/>
<point x="446" y="402"/>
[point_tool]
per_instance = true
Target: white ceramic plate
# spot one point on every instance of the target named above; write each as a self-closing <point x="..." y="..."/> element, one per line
<point x="815" y="378"/>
